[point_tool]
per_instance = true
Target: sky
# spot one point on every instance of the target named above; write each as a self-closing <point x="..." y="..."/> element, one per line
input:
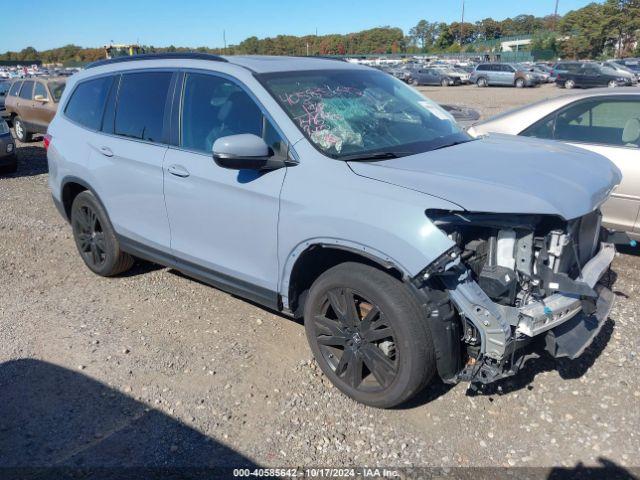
<point x="48" y="24"/>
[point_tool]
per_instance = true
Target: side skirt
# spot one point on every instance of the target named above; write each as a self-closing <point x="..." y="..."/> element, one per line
<point x="226" y="283"/>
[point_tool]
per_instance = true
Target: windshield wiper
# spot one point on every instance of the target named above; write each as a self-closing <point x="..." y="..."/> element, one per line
<point x="372" y="156"/>
<point x="453" y="144"/>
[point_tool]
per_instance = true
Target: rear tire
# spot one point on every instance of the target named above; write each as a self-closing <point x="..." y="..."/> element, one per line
<point x="520" y="83"/>
<point x="613" y="84"/>
<point x="95" y="237"/>
<point x="369" y="335"/>
<point x="444" y="82"/>
<point x="21" y="130"/>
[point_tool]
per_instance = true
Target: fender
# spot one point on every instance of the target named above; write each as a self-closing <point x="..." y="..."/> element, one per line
<point x="72" y="179"/>
<point x="372" y="254"/>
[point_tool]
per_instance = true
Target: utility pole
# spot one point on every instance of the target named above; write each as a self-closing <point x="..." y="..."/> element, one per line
<point x="224" y="40"/>
<point x="462" y="24"/>
<point x="555" y="16"/>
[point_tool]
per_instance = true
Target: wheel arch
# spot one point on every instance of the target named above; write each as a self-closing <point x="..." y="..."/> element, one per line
<point x="311" y="258"/>
<point x="70" y="188"/>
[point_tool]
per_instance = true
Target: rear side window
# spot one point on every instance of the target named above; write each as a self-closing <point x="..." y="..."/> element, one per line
<point x="87" y="102"/>
<point x="15" y="88"/>
<point x="141" y="105"/>
<point x="26" y="91"/>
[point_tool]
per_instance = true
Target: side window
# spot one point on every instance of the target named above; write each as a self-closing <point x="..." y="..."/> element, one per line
<point x="215" y="107"/>
<point x="507" y="68"/>
<point x="607" y="122"/>
<point x="15" y="88"/>
<point x="482" y="68"/>
<point x="40" y="92"/>
<point x="87" y="102"/>
<point x="26" y="92"/>
<point x="141" y="105"/>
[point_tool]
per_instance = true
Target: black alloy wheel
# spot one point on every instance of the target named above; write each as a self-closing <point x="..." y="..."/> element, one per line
<point x="91" y="239"/>
<point x="356" y="341"/>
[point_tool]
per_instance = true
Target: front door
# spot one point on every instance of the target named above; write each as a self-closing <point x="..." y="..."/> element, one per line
<point x="223" y="222"/>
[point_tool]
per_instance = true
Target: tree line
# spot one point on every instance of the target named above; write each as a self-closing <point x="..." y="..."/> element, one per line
<point x="606" y="29"/>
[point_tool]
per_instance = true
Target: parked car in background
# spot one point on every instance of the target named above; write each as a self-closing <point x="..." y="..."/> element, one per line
<point x="502" y="74"/>
<point x="622" y="71"/>
<point x="433" y="254"/>
<point x="4" y="90"/>
<point x="603" y="121"/>
<point x="8" y="159"/>
<point x="632" y="64"/>
<point x="31" y="105"/>
<point x="456" y="72"/>
<point x="589" y="75"/>
<point x="541" y="75"/>
<point x="433" y="76"/>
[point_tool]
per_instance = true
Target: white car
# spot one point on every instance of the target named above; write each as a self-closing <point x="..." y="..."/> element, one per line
<point x="604" y="121"/>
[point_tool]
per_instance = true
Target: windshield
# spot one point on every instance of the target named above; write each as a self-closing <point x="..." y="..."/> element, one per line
<point x="347" y="113"/>
<point x="4" y="128"/>
<point x="4" y="88"/>
<point x="56" y="89"/>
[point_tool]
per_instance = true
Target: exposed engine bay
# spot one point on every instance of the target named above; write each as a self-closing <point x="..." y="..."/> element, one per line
<point x="512" y="278"/>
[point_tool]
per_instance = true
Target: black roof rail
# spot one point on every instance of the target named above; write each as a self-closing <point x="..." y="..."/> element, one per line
<point x="159" y="56"/>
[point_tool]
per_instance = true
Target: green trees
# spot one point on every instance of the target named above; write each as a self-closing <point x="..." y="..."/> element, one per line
<point x="607" y="28"/>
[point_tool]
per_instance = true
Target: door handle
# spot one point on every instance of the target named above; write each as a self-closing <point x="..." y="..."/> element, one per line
<point x="178" y="171"/>
<point x="106" y="151"/>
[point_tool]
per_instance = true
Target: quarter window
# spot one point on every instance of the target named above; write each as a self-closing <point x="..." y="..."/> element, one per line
<point x="87" y="102"/>
<point x="215" y="107"/>
<point x="141" y="105"/>
<point x="39" y="90"/>
<point x="26" y="91"/>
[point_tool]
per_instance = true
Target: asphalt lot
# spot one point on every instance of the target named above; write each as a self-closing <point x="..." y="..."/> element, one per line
<point x="155" y="369"/>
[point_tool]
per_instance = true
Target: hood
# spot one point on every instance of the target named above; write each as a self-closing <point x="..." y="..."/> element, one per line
<point x="504" y="174"/>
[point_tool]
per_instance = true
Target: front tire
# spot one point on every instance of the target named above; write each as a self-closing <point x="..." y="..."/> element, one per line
<point x="21" y="130"/>
<point x="414" y="82"/>
<point x="95" y="237"/>
<point x="481" y="82"/>
<point x="444" y="82"/>
<point x="613" y="84"/>
<point x="369" y="335"/>
<point x="520" y="83"/>
<point x="569" y="84"/>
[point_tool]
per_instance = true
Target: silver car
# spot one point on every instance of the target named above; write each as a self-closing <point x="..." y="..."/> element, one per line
<point x="603" y="121"/>
<point x="339" y="195"/>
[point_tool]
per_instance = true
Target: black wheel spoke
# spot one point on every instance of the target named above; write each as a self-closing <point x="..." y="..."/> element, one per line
<point x="331" y="327"/>
<point x="99" y="241"/>
<point x="379" y="364"/>
<point x="353" y="373"/>
<point x="372" y="315"/>
<point x="95" y="255"/>
<point x="85" y="241"/>
<point x="378" y="334"/>
<point x="332" y="340"/>
<point x="344" y="306"/>
<point x="346" y="357"/>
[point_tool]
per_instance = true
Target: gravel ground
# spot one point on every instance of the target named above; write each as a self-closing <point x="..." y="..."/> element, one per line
<point x="155" y="369"/>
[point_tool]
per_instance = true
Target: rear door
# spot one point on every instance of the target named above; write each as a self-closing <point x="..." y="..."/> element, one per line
<point x="24" y="103"/>
<point x="126" y="158"/>
<point x="223" y="222"/>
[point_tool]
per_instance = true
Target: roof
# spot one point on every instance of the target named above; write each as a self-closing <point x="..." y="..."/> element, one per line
<point x="272" y="63"/>
<point x="255" y="63"/>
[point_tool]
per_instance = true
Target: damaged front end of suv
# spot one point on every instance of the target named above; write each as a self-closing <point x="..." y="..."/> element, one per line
<point x="518" y="283"/>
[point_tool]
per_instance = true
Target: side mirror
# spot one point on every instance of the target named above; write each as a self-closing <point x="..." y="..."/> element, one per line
<point x="41" y="98"/>
<point x="245" y="151"/>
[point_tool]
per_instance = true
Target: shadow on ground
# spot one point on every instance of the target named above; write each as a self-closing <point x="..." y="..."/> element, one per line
<point x="55" y="422"/>
<point x="32" y="161"/>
